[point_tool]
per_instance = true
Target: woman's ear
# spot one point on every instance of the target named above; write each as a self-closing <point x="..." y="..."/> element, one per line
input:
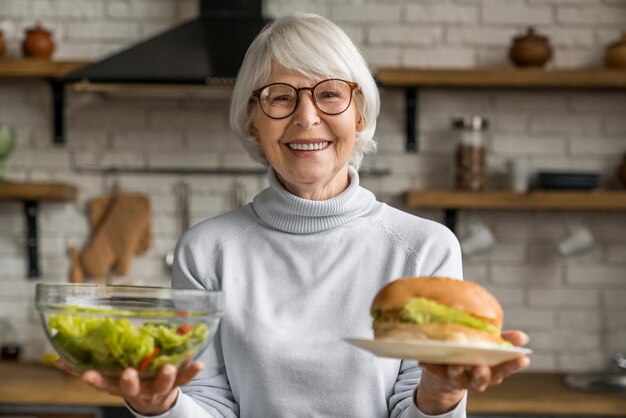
<point x="360" y="122"/>
<point x="254" y="132"/>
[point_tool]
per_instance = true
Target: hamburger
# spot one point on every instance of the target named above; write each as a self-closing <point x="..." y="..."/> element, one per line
<point x="437" y="308"/>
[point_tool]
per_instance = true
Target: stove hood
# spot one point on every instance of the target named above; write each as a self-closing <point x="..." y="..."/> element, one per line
<point x="207" y="50"/>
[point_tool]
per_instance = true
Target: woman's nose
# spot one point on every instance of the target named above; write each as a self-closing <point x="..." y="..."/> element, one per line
<point x="306" y="114"/>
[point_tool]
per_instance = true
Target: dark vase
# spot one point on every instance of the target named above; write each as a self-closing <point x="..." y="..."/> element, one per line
<point x="38" y="43"/>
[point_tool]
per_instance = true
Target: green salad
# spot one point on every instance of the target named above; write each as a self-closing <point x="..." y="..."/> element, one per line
<point x="111" y="343"/>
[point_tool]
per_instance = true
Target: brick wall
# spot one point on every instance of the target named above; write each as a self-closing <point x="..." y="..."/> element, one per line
<point x="572" y="307"/>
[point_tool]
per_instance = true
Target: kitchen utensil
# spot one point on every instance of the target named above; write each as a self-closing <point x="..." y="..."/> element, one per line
<point x="109" y="328"/>
<point x="520" y="175"/>
<point x="575" y="180"/>
<point x="530" y="50"/>
<point x="7" y="144"/>
<point x="440" y="352"/>
<point x="479" y="239"/>
<point x="184" y="195"/>
<point x="615" y="55"/>
<point x="38" y="42"/>
<point x="578" y="239"/>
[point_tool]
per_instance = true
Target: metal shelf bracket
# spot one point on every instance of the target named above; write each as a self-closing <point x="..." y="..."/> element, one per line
<point x="411" y="98"/>
<point x="31" y="210"/>
<point x="58" y="108"/>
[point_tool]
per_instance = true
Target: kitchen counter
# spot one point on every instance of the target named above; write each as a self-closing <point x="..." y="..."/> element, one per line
<point x="525" y="393"/>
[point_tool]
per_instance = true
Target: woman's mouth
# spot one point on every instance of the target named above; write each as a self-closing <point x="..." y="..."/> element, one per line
<point x="310" y="146"/>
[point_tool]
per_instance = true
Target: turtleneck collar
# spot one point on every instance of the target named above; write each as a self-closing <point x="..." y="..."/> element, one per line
<point x="290" y="213"/>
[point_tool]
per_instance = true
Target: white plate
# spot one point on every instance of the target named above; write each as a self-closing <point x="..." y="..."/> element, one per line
<point x="439" y="352"/>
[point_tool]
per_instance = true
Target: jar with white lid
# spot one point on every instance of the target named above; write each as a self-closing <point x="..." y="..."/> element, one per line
<point x="471" y="158"/>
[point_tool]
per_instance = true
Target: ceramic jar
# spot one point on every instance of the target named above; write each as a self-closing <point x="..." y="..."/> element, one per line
<point x="38" y="43"/>
<point x="621" y="171"/>
<point x="2" y="44"/>
<point x="530" y="50"/>
<point x="615" y="56"/>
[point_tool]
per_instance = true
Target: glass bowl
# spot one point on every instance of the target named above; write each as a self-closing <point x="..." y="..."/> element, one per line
<point x="110" y="328"/>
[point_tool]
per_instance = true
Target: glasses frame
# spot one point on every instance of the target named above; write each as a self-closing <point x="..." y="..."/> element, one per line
<point x="257" y="93"/>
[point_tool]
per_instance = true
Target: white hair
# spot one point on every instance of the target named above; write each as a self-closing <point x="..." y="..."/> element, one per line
<point x="314" y="47"/>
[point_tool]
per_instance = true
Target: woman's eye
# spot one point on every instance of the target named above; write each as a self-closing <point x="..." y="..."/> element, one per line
<point x="329" y="94"/>
<point x="277" y="99"/>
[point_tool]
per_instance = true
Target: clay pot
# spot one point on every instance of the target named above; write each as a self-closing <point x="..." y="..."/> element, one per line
<point x="2" y="44"/>
<point x="615" y="56"/>
<point x="621" y="171"/>
<point x="530" y="50"/>
<point x="38" y="43"/>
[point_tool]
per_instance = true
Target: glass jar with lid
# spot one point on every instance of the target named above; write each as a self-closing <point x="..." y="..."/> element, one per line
<point x="471" y="158"/>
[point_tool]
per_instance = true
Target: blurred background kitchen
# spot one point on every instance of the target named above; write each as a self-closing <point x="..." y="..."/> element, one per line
<point x="559" y="269"/>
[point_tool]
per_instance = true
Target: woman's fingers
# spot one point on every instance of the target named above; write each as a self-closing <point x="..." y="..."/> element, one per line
<point x="189" y="373"/>
<point x="480" y="378"/>
<point x="129" y="384"/>
<point x="517" y="338"/>
<point x="164" y="380"/>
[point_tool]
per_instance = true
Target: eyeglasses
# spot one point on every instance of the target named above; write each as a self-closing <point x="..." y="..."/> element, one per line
<point x="280" y="100"/>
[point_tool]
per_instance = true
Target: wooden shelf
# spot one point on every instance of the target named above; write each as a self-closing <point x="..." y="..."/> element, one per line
<point x="536" y="200"/>
<point x="34" y="68"/>
<point x="502" y="77"/>
<point x="37" y="191"/>
<point x="412" y="79"/>
<point x="30" y="194"/>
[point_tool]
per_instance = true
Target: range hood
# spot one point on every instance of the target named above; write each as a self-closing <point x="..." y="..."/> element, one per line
<point x="207" y="50"/>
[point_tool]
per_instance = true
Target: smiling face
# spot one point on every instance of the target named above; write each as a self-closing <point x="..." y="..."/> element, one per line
<point x="308" y="150"/>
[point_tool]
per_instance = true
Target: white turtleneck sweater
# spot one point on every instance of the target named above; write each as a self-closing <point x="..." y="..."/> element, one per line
<point x="298" y="277"/>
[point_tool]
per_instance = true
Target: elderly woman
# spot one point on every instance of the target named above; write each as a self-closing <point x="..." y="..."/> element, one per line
<point x="301" y="264"/>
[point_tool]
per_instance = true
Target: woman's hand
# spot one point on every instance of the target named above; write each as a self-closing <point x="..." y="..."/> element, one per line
<point x="147" y="397"/>
<point x="442" y="386"/>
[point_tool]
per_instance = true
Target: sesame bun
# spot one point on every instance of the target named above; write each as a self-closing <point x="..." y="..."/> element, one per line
<point x="464" y="296"/>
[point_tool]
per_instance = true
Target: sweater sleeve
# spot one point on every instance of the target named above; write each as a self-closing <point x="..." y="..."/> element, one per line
<point x="208" y="395"/>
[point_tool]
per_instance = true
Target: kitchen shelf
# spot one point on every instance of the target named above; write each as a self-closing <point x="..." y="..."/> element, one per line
<point x="30" y="194"/>
<point x="37" y="68"/>
<point x="452" y="200"/>
<point x="411" y="79"/>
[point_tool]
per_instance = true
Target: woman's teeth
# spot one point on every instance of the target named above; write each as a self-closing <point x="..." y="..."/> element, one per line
<point x="308" y="147"/>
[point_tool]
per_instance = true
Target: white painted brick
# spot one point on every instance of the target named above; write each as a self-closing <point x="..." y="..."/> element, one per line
<point x="152" y="268"/>
<point x="438" y="57"/>
<point x="564" y="124"/>
<point x="597" y="146"/>
<point x="523" y="145"/>
<point x="25" y="115"/>
<point x="591" y="15"/>
<point x="564" y="340"/>
<point x="11" y="245"/>
<point x="275" y="9"/>
<point x="564" y="297"/>
<point x="597" y="276"/>
<point x="568" y="37"/>
<point x="509" y="123"/>
<point x="454" y="101"/>
<point x="491" y="56"/>
<point x="17" y="289"/>
<point x="527" y="274"/>
<point x="106" y="117"/>
<point x="515" y="12"/>
<point x="240" y="160"/>
<point x="182" y="160"/>
<point x="12" y="267"/>
<point x="616" y="254"/>
<point x="355" y="32"/>
<point x="141" y="9"/>
<point x="606" y="36"/>
<point x="404" y="35"/>
<point x="477" y="273"/>
<point x="61" y="218"/>
<point x="615" y="126"/>
<point x="375" y="13"/>
<point x="17" y="8"/>
<point x="524" y="227"/>
<point x="543" y="362"/>
<point x="68" y="8"/>
<point x="186" y="9"/>
<point x="102" y="30"/>
<point x="147" y="140"/>
<point x="441" y="12"/>
<point x="187" y="119"/>
<point x="509" y="296"/>
<point x="73" y="50"/>
<point x="585" y="362"/>
<point x="213" y="203"/>
<point x="531" y="101"/>
<point x="382" y="56"/>
<point x="609" y="103"/>
<point x="578" y="58"/>
<point x="616" y="341"/>
<point x="107" y="159"/>
<point x="528" y="319"/>
<point x="53" y="245"/>
<point x="488" y="36"/>
<point x="579" y="321"/>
